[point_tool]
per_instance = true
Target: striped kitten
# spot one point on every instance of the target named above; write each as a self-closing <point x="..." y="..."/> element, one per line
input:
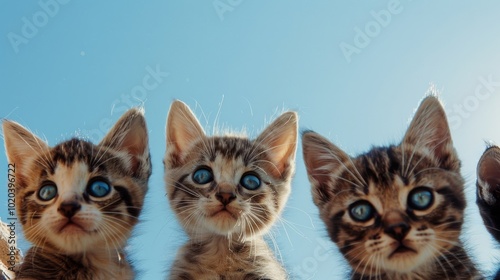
<point x="395" y="212"/>
<point x="227" y="191"/>
<point x="78" y="202"/>
<point x="488" y="191"/>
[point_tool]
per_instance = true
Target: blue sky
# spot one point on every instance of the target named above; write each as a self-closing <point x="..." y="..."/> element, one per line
<point x="354" y="71"/>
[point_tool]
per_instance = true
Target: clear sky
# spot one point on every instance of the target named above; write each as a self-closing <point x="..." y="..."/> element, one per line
<point x="354" y="71"/>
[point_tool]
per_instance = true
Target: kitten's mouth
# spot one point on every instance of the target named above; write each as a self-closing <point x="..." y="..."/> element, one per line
<point x="71" y="227"/>
<point x="402" y="249"/>
<point x="224" y="211"/>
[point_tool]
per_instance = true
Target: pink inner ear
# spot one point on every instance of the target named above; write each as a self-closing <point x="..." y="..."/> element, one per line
<point x="283" y="151"/>
<point x="183" y="128"/>
<point x="317" y="170"/>
<point x="134" y="145"/>
<point x="442" y="141"/>
<point x="429" y="131"/>
<point x="489" y="170"/>
<point x="321" y="157"/>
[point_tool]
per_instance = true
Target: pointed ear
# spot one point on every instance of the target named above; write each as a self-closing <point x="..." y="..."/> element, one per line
<point x="323" y="160"/>
<point x="183" y="129"/>
<point x="280" y="140"/>
<point x="21" y="144"/>
<point x="488" y="175"/>
<point x="130" y="135"/>
<point x="429" y="132"/>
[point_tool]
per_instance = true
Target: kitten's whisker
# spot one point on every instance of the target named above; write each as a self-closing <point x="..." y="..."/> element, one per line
<point x="445" y="258"/>
<point x="436" y="257"/>
<point x="491" y="228"/>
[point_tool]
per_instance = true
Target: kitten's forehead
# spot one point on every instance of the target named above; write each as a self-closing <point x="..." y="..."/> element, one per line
<point x="227" y="168"/>
<point x="71" y="178"/>
<point x="386" y="166"/>
<point x="228" y="156"/>
<point x="375" y="171"/>
<point x="385" y="176"/>
<point x="390" y="188"/>
<point x="390" y="197"/>
<point x="69" y="153"/>
<point x="72" y="150"/>
<point x="230" y="146"/>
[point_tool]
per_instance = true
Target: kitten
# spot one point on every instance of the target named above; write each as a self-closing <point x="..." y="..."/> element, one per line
<point x="488" y="191"/>
<point x="395" y="212"/>
<point x="78" y="202"/>
<point x="227" y="191"/>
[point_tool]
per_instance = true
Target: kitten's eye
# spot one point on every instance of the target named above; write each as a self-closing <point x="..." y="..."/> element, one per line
<point x="361" y="211"/>
<point x="98" y="188"/>
<point x="420" y="198"/>
<point x="47" y="192"/>
<point x="250" y="182"/>
<point x="203" y="176"/>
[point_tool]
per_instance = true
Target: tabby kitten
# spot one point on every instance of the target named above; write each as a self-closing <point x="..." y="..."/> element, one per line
<point x="78" y="202"/>
<point x="227" y="191"/>
<point x="395" y="212"/>
<point x="488" y="191"/>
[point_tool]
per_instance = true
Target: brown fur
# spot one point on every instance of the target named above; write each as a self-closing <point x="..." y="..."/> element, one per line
<point x="398" y="241"/>
<point x="76" y="235"/>
<point x="225" y="221"/>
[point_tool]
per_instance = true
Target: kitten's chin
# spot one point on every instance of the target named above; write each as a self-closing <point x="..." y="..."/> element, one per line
<point x="223" y="222"/>
<point x="405" y="259"/>
<point x="75" y="237"/>
<point x="72" y="229"/>
<point x="73" y="240"/>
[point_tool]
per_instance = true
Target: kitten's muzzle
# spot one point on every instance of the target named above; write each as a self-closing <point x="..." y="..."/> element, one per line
<point x="69" y="209"/>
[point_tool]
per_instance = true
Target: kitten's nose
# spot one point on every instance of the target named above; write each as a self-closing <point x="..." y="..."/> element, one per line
<point x="225" y="198"/>
<point x="397" y="231"/>
<point x="69" y="209"/>
<point x="396" y="225"/>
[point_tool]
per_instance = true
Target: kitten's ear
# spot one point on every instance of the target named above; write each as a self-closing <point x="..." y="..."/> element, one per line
<point x="429" y="132"/>
<point x="183" y="129"/>
<point x="323" y="160"/>
<point x="130" y="135"/>
<point x="280" y="140"/>
<point x="21" y="144"/>
<point x="488" y="175"/>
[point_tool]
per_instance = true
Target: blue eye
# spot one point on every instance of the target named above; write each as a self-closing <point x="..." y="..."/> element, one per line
<point x="250" y="182"/>
<point x="361" y="211"/>
<point x="98" y="188"/>
<point x="420" y="198"/>
<point x="47" y="192"/>
<point x="203" y="176"/>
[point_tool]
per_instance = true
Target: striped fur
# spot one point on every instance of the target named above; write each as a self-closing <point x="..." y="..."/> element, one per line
<point x="76" y="235"/>
<point x="488" y="192"/>
<point x="398" y="240"/>
<point x="226" y="222"/>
